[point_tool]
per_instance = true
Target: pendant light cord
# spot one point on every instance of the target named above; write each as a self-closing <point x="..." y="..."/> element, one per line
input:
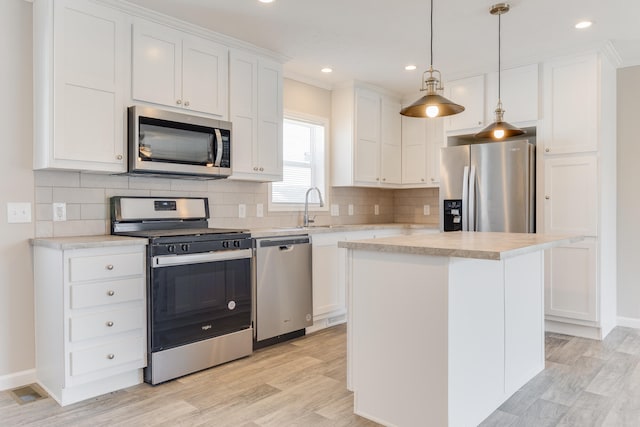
<point x="431" y="37"/>
<point x="499" y="56"/>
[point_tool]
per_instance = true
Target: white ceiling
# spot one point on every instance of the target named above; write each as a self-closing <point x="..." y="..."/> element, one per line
<point x="372" y="40"/>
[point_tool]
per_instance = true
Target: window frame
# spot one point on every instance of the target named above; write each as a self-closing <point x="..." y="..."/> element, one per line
<point x="295" y="207"/>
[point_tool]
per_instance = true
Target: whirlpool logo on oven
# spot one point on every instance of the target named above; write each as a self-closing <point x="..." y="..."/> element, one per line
<point x="205" y="327"/>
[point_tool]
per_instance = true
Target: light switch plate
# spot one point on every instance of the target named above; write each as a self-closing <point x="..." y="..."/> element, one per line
<point x="60" y="211"/>
<point x="259" y="210"/>
<point x="242" y="210"/>
<point x="350" y="209"/>
<point x="376" y="209"/>
<point x="18" y="213"/>
<point x="426" y="210"/>
<point x="335" y="210"/>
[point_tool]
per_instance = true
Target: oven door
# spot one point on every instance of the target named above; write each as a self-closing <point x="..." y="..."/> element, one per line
<point x="198" y="296"/>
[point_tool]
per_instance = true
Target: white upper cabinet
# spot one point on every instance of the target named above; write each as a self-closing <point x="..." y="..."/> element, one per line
<point x="571" y="105"/>
<point x="256" y="89"/>
<point x="176" y="69"/>
<point x="519" y="92"/>
<point x="81" y="52"/>
<point x="469" y="93"/>
<point x="421" y="143"/>
<point x="366" y="146"/>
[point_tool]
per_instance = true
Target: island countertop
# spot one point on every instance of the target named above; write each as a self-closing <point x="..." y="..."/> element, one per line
<point x="463" y="244"/>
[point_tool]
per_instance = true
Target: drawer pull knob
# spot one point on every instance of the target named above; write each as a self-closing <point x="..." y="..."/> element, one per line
<point x="111" y="293"/>
<point x="547" y="197"/>
<point x="109" y="323"/>
<point x="110" y="267"/>
<point x="111" y="356"/>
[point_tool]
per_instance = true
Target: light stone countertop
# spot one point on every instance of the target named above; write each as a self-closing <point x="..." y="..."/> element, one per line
<point x="492" y="246"/>
<point x="84" y="242"/>
<point x="290" y="231"/>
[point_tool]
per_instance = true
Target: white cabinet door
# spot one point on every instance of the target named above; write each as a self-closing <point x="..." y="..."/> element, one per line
<point x="367" y="143"/>
<point x="571" y="105"/>
<point x="270" y="117"/>
<point x="571" y="195"/>
<point x="204" y="76"/>
<point x="80" y="81"/>
<point x="435" y="141"/>
<point x="519" y="94"/>
<point x="179" y="70"/>
<point x="329" y="283"/>
<point x="390" y="143"/>
<point x="414" y="140"/>
<point x="469" y="93"/>
<point x="157" y="64"/>
<point x="257" y="116"/>
<point x="571" y="281"/>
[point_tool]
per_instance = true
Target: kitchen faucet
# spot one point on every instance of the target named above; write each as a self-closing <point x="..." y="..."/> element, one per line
<point x="306" y="220"/>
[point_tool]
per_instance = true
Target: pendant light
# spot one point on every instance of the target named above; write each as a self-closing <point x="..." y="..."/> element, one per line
<point x="499" y="129"/>
<point x="432" y="104"/>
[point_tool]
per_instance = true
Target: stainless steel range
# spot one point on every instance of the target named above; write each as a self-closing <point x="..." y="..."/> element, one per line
<point x="198" y="284"/>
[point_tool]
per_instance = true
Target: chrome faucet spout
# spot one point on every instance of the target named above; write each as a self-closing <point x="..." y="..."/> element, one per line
<point x="305" y="220"/>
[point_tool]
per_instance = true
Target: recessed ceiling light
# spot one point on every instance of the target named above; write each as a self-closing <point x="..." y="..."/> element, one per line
<point x="583" y="24"/>
<point x="327" y="70"/>
<point x="410" y="67"/>
<point x="265" y="1"/>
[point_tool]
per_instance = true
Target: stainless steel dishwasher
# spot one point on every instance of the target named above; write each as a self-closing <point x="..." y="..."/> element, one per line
<point x="282" y="292"/>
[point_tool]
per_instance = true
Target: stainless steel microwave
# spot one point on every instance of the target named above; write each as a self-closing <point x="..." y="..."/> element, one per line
<point x="166" y="143"/>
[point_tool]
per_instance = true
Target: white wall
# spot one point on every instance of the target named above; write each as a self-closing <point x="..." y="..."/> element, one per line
<point x="16" y="185"/>
<point x="628" y="194"/>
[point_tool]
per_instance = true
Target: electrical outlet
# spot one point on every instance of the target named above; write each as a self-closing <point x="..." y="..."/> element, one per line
<point x="60" y="211"/>
<point x="376" y="209"/>
<point x="18" y="213"/>
<point x="242" y="210"/>
<point x="259" y="210"/>
<point x="335" y="210"/>
<point x="350" y="209"/>
<point x="426" y="210"/>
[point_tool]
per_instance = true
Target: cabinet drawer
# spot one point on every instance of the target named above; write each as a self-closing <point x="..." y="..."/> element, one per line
<point x="111" y="292"/>
<point x="108" y="355"/>
<point x="105" y="323"/>
<point x="105" y="266"/>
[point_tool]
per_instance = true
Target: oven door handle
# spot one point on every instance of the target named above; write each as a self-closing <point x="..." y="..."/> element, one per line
<point x="171" y="260"/>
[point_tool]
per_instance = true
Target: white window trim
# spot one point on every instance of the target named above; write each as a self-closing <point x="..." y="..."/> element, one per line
<point x="313" y="207"/>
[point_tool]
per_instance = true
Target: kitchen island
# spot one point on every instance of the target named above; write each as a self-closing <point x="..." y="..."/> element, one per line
<point x="443" y="328"/>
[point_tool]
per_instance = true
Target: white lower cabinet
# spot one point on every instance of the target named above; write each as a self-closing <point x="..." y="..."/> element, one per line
<point x="329" y="274"/>
<point x="90" y="319"/>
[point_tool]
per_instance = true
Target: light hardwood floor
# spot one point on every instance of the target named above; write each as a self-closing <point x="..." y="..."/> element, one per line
<point x="302" y="383"/>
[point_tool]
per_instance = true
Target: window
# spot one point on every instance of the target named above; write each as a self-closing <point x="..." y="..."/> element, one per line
<point x="303" y="163"/>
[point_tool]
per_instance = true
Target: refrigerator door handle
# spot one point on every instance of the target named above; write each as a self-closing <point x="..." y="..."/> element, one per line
<point x="472" y="199"/>
<point x="465" y="199"/>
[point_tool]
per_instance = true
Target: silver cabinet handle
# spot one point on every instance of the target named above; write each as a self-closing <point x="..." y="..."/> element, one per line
<point x="119" y="157"/>
<point x="110" y="293"/>
<point x="261" y="169"/>
<point x="422" y="179"/>
<point x="111" y="356"/>
<point x="109" y="267"/>
<point x="377" y="179"/>
<point x="179" y="101"/>
<point x="433" y="180"/>
<point x="546" y="150"/>
<point x="255" y="169"/>
<point x="384" y="179"/>
<point x="186" y="103"/>
<point x="109" y="324"/>
<point x="547" y="197"/>
<point x="480" y="122"/>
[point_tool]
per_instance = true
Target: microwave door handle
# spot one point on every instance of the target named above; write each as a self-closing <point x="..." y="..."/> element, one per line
<point x="465" y="199"/>
<point x="472" y="199"/>
<point x="219" y="145"/>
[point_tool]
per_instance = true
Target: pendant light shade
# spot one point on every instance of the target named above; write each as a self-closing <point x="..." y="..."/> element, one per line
<point x="432" y="104"/>
<point x="499" y="129"/>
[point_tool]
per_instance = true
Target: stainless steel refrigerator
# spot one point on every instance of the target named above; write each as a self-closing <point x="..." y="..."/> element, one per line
<point x="488" y="187"/>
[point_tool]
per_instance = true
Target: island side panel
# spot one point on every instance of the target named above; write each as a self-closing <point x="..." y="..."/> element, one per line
<point x="524" y="314"/>
<point x="476" y="339"/>
<point x="398" y="337"/>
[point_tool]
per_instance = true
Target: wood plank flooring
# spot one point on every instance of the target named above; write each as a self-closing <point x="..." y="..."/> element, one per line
<point x="302" y="383"/>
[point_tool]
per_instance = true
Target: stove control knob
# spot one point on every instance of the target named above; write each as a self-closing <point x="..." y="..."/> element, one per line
<point x="184" y="247"/>
<point x="171" y="249"/>
<point x="236" y="243"/>
<point x="225" y="244"/>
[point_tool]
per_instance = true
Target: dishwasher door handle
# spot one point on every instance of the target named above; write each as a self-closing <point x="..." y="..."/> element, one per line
<point x="286" y="248"/>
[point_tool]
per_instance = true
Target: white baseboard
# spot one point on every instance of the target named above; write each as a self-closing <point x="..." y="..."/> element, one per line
<point x="17" y="379"/>
<point x="629" y="322"/>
